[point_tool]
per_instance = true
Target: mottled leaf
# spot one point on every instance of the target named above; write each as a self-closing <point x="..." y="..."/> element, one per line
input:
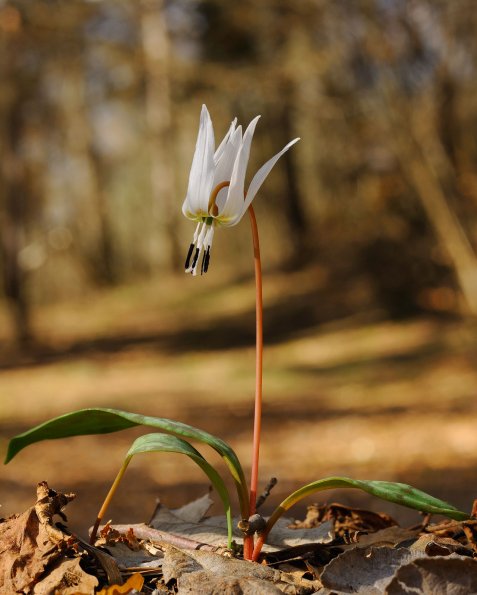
<point x="104" y="421"/>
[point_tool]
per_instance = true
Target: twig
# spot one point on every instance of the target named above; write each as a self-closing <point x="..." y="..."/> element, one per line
<point x="142" y="531"/>
<point x="266" y="492"/>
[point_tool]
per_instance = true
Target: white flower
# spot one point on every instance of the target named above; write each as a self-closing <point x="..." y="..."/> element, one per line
<point x="216" y="194"/>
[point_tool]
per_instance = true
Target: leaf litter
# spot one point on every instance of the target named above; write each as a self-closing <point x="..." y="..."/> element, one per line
<point x="334" y="550"/>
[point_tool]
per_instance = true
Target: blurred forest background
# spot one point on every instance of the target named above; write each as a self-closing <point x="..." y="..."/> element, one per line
<point x="369" y="229"/>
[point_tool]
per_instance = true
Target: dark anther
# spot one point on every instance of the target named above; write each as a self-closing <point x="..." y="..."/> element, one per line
<point x="202" y="264"/>
<point x="189" y="254"/>
<point x="207" y="260"/>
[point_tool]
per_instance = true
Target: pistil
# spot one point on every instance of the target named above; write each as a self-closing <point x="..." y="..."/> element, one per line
<point x="212" y="208"/>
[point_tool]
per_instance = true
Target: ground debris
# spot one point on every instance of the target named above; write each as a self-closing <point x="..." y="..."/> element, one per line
<point x="347" y="522"/>
<point x="335" y="550"/>
<point x="34" y="554"/>
<point x="203" y="573"/>
<point x="435" y="576"/>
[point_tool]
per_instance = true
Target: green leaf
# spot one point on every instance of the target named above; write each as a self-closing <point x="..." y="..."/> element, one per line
<point x="167" y="443"/>
<point x="105" y="421"/>
<point x="399" y="493"/>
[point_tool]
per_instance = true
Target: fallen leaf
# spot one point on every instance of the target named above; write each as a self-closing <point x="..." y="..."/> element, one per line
<point x="202" y="583"/>
<point x="50" y="503"/>
<point x="389" y="536"/>
<point x="104" y="560"/>
<point x="439" y="546"/>
<point x="67" y="578"/>
<point x="470" y="530"/>
<point x="447" y="528"/>
<point x="202" y="573"/>
<point x="213" y="530"/>
<point x="345" y="519"/>
<point x="29" y="543"/>
<point x="194" y="511"/>
<point x="365" y="571"/>
<point x="435" y="576"/>
<point x="127" y="558"/>
<point x="134" y="583"/>
<point x="176" y="563"/>
<point x="284" y="534"/>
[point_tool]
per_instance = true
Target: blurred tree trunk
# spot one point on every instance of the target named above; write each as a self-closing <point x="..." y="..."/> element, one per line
<point x="12" y="221"/>
<point x="413" y="148"/>
<point x="106" y="266"/>
<point x="161" y="134"/>
<point x="93" y="222"/>
<point x="294" y="204"/>
<point x="13" y="196"/>
<point x="276" y="45"/>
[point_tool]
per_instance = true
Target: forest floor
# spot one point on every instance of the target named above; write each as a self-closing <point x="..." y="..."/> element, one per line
<point x="347" y="392"/>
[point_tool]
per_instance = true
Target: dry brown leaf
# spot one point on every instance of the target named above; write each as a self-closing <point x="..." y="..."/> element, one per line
<point x="436" y="576"/>
<point x="213" y="530"/>
<point x="25" y="551"/>
<point x="127" y="558"/>
<point x="345" y="520"/>
<point x="212" y="573"/>
<point x="29" y="543"/>
<point x="284" y="534"/>
<point x="439" y="546"/>
<point x="470" y="530"/>
<point x="194" y="511"/>
<point x="104" y="560"/>
<point x="389" y="536"/>
<point x="203" y="583"/>
<point x="66" y="578"/>
<point x="447" y="528"/>
<point x="365" y="571"/>
<point x="134" y="583"/>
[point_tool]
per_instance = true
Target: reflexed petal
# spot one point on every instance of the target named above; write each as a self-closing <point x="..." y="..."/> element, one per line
<point x="221" y="147"/>
<point x="233" y="209"/>
<point x="201" y="175"/>
<point x="262" y="173"/>
<point x="223" y="170"/>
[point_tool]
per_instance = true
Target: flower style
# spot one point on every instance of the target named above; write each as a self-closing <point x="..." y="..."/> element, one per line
<point x="216" y="194"/>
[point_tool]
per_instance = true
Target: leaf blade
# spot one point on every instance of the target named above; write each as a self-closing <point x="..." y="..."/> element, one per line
<point x="99" y="420"/>
<point x="398" y="493"/>
<point x="158" y="442"/>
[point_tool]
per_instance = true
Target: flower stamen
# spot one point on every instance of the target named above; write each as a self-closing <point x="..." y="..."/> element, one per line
<point x="188" y="267"/>
<point x="203" y="237"/>
<point x="194" y="262"/>
<point x="204" y="267"/>
<point x="189" y="255"/>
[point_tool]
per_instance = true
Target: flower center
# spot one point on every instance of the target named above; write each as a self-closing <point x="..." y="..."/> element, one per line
<point x="213" y="208"/>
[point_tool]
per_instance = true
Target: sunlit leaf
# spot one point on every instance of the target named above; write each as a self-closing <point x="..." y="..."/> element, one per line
<point x="398" y="493"/>
<point x="167" y="443"/>
<point x="104" y="421"/>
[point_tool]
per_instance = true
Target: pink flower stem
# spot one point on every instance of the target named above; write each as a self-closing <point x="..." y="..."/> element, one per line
<point x="258" y="371"/>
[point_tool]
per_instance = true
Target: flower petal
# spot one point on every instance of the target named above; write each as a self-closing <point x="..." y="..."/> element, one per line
<point x="233" y="208"/>
<point x="201" y="175"/>
<point x="220" y="148"/>
<point x="263" y="172"/>
<point x="223" y="170"/>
